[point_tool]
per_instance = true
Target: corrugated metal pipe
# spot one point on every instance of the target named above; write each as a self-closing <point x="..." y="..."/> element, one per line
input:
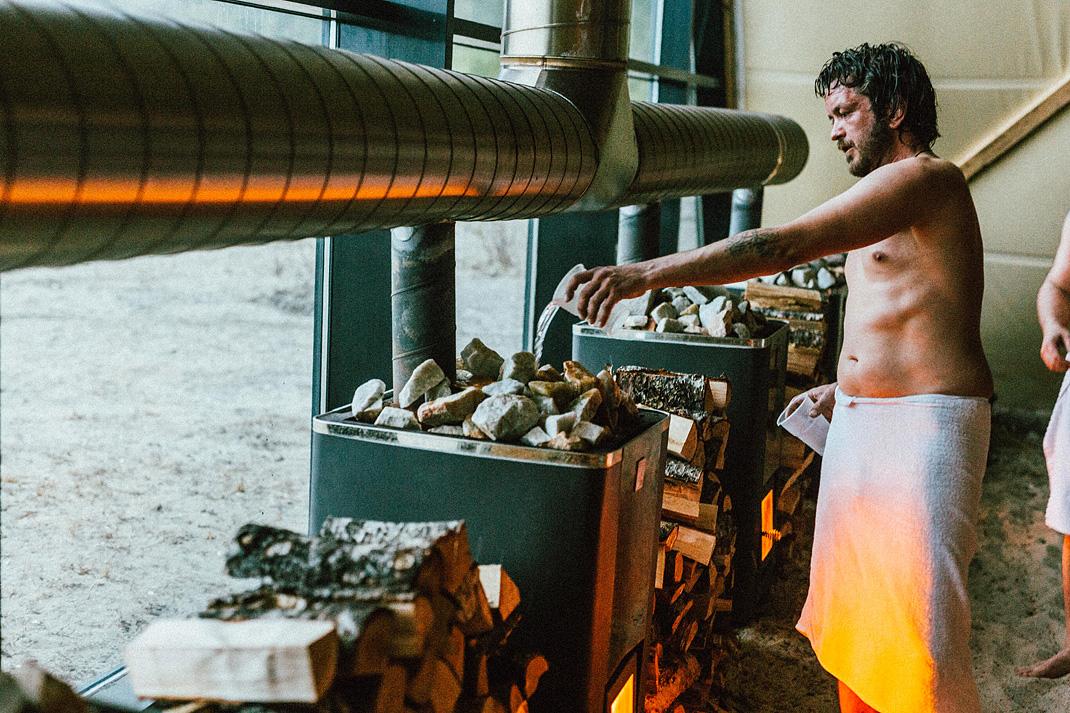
<point x="121" y="136"/>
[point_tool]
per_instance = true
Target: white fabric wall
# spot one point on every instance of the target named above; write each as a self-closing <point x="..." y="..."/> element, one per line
<point x="988" y="62"/>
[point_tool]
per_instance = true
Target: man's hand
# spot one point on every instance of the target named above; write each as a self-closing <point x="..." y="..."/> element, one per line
<point x="600" y="288"/>
<point x="824" y="398"/>
<point x="1055" y="348"/>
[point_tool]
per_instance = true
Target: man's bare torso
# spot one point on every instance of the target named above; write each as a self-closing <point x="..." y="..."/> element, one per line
<point x="912" y="323"/>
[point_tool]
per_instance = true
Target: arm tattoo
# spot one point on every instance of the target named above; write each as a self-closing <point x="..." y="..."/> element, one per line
<point x="762" y="242"/>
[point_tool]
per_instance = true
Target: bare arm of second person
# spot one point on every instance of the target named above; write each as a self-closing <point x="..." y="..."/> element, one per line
<point x="891" y="198"/>
<point x="1053" y="307"/>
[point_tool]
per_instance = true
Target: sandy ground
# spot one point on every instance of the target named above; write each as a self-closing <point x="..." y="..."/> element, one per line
<point x="149" y="408"/>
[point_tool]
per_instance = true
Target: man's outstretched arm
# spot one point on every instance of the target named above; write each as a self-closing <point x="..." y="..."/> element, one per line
<point x="1053" y="307"/>
<point x="888" y="200"/>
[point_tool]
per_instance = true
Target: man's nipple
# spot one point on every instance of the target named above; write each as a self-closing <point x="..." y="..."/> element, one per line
<point x="878" y="256"/>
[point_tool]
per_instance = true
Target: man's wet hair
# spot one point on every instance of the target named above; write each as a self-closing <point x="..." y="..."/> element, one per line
<point x="891" y="76"/>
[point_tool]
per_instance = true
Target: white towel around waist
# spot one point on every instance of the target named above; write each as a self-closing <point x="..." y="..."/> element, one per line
<point x="887" y="611"/>
<point x="1057" y="455"/>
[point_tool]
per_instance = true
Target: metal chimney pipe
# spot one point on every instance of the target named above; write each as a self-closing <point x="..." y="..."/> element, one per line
<point x="746" y="210"/>
<point x="579" y="48"/>
<point x="423" y="299"/>
<point x="638" y="233"/>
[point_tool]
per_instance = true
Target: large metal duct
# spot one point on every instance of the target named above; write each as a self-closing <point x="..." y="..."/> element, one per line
<point x="688" y="150"/>
<point x="121" y="136"/>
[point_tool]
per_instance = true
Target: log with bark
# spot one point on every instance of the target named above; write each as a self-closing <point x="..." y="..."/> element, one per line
<point x="416" y="630"/>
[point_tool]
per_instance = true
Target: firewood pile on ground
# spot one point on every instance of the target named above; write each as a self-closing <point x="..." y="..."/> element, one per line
<point x="696" y="540"/>
<point x="367" y="617"/>
<point x="512" y="400"/>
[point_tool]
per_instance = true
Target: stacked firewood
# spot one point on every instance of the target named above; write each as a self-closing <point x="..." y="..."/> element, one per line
<point x="696" y="538"/>
<point x="512" y="400"/>
<point x="367" y="617"/>
<point x="807" y="315"/>
<point x="802" y="298"/>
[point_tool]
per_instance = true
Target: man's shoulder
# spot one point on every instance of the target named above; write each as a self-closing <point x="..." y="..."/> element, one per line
<point x="926" y="168"/>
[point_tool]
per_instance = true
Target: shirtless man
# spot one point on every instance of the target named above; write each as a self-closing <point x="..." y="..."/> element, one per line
<point x="887" y="611"/>
<point x="1053" y="309"/>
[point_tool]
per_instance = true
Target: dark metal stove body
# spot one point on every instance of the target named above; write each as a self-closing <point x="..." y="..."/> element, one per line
<point x="577" y="531"/>
<point x="756" y="370"/>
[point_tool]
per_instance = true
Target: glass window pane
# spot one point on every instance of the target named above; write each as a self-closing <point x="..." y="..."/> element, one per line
<point x="641" y="89"/>
<point x="150" y="408"/>
<point x="641" y="42"/>
<point x="490" y="284"/>
<point x="488" y="12"/>
<point x="475" y="60"/>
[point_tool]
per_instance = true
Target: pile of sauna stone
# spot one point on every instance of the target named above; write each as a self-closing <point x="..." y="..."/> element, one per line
<point x="512" y="400"/>
<point x="707" y="310"/>
<point x="822" y="274"/>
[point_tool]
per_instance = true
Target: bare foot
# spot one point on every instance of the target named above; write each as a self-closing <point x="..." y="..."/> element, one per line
<point x="1055" y="667"/>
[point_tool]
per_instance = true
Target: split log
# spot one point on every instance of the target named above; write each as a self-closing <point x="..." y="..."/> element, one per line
<point x="503" y="595"/>
<point x="263" y="660"/>
<point x="667" y="533"/>
<point x="453" y="653"/>
<point x="372" y="632"/>
<point x="683" y="437"/>
<point x="680" y="507"/>
<point x="299" y="565"/>
<point x="522" y="669"/>
<point x="707" y="517"/>
<point x="675" y="678"/>
<point x="31" y="689"/>
<point x="717" y="443"/>
<point x="446" y="689"/>
<point x="473" y="610"/>
<point x="672" y="391"/>
<point x="783" y="297"/>
<point x="696" y="544"/>
<point x="448" y="539"/>
<point x="675" y="565"/>
<point x="369" y="694"/>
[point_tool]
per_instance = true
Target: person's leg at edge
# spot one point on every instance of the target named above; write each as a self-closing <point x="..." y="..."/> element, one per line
<point x="850" y="703"/>
<point x="1059" y="664"/>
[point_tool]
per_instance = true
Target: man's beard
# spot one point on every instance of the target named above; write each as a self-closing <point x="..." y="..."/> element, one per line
<point x="872" y="151"/>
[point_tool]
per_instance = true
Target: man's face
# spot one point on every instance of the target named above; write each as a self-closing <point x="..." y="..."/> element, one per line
<point x="857" y="132"/>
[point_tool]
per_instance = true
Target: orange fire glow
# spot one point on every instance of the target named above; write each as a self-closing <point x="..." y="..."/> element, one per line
<point x="768" y="533"/>
<point x="625" y="700"/>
